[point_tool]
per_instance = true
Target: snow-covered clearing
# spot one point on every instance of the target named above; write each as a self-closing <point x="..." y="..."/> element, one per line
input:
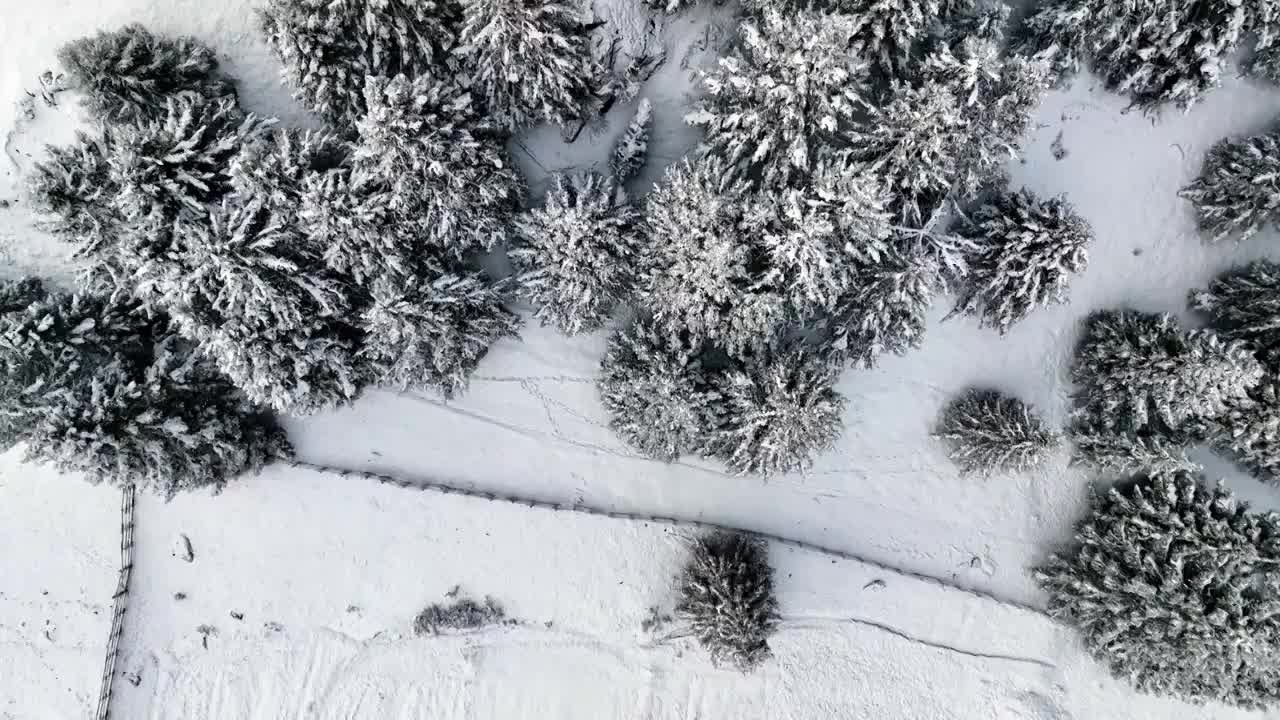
<point x="301" y="594"/>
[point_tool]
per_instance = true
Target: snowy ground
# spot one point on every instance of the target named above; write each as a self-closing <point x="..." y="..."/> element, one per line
<point x="303" y="588"/>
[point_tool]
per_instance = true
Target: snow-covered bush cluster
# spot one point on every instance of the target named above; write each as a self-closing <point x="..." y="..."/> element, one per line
<point x="1175" y="586"/>
<point x="727" y="598"/>
<point x="1154" y="51"/>
<point x="986" y="431"/>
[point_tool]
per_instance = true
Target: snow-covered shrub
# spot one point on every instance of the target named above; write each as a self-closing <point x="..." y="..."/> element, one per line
<point x="1244" y="304"/>
<point x="986" y="431"/>
<point x="670" y="7"/>
<point x="329" y="47"/>
<point x="253" y="292"/>
<point x="529" y="61"/>
<point x="440" y="173"/>
<point x="1238" y="190"/>
<point x="1249" y="431"/>
<point x="73" y="193"/>
<point x="777" y="409"/>
<point x="1175" y="587"/>
<point x="1136" y="370"/>
<point x="461" y="613"/>
<point x="948" y="131"/>
<point x="658" y="396"/>
<point x="703" y="273"/>
<point x="726" y="596"/>
<point x="884" y="309"/>
<point x="1025" y="252"/>
<point x="790" y="88"/>
<point x="1154" y="51"/>
<point x="432" y="330"/>
<point x="128" y="75"/>
<point x="179" y="162"/>
<point x="578" y="253"/>
<point x="632" y="148"/>
<point x="109" y="391"/>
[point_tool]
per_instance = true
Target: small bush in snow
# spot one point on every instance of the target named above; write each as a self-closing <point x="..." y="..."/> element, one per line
<point x="460" y="614"/>
<point x="631" y="150"/>
<point x="578" y="252"/>
<point x="790" y="88"/>
<point x="986" y="431"/>
<point x="658" y="396"/>
<point x="1154" y="52"/>
<point x="1025" y="251"/>
<point x="1244" y="305"/>
<point x="1175" y="587"/>
<point x="110" y="392"/>
<point x="777" y="410"/>
<point x="726" y="595"/>
<point x="1238" y="191"/>
<point x="128" y="75"/>
<point x="530" y="61"/>
<point x="329" y="48"/>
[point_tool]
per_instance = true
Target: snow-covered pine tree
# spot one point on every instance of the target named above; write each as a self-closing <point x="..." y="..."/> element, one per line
<point x="430" y="164"/>
<point x="1249" y="431"/>
<point x="1025" y="252"/>
<point x="529" y="61"/>
<point x="578" y="253"/>
<point x="15" y="297"/>
<point x="779" y="407"/>
<point x="1135" y="371"/>
<point x="884" y="309"/>
<point x="726" y="596"/>
<point x="431" y="330"/>
<point x="987" y="431"/>
<point x="254" y="293"/>
<point x="703" y="270"/>
<point x="72" y="192"/>
<point x="1238" y="190"/>
<point x="128" y="75"/>
<point x="109" y="391"/>
<point x="1116" y="451"/>
<point x="328" y="48"/>
<point x="273" y="167"/>
<point x="659" y="398"/>
<point x="1154" y="52"/>
<point x="632" y="148"/>
<point x="1174" y="586"/>
<point x="790" y="88"/>
<point x="18" y="295"/>
<point x="1244" y="304"/>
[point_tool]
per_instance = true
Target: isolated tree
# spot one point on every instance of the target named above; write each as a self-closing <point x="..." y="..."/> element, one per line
<point x="632" y="148"/>
<point x="109" y="391"/>
<point x="727" y="597"/>
<point x="884" y="309"/>
<point x="1238" y="191"/>
<point x="1135" y="370"/>
<point x="1175" y="586"/>
<point x="703" y="273"/>
<point x="986" y="431"/>
<point x="1244" y="305"/>
<point x="578" y="253"/>
<point x="73" y="194"/>
<point x="431" y="331"/>
<point x="790" y="88"/>
<point x="778" y="409"/>
<point x="529" y="61"/>
<point x="442" y="174"/>
<point x="658" y="395"/>
<point x="253" y="292"/>
<point x="329" y="48"/>
<point x="1155" y="52"/>
<point x="129" y="75"/>
<point x="1025" y="252"/>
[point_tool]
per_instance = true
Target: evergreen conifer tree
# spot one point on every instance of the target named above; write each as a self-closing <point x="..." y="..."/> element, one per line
<point x="74" y="195"/>
<point x="987" y="431"/>
<point x="629" y="153"/>
<point x="727" y="597"/>
<point x="1238" y="190"/>
<point x="1244" y="305"/>
<point x="1174" y="586"/>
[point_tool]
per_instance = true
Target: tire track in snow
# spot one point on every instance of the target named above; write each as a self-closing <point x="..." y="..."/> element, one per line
<point x="691" y="523"/>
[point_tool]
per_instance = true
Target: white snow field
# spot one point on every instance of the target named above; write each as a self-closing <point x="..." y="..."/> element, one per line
<point x="303" y="586"/>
